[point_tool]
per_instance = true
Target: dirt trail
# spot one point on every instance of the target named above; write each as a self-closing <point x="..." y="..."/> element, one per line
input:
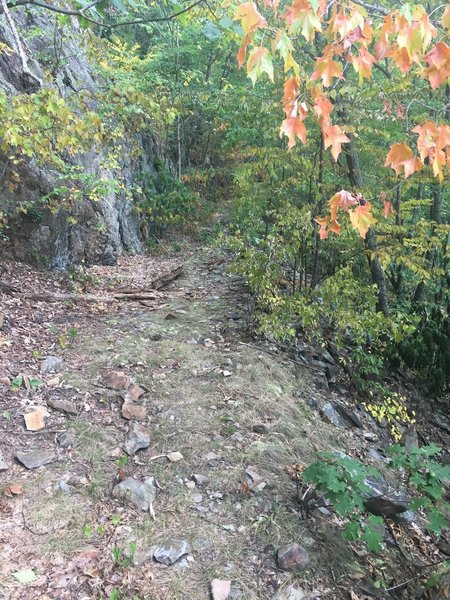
<point x="226" y="404"/>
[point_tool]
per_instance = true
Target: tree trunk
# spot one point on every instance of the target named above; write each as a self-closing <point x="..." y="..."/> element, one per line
<point x="376" y="270"/>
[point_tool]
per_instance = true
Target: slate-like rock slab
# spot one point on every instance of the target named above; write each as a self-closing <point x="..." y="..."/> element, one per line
<point x="293" y="557"/>
<point x="133" y="393"/>
<point x="33" y="459"/>
<point x="138" y="439"/>
<point x="133" y="412"/>
<point x="117" y="380"/>
<point x="383" y="500"/>
<point x="52" y="364"/>
<point x="141" y="494"/>
<point x="332" y="416"/>
<point x="170" y="551"/>
<point x="66" y="406"/>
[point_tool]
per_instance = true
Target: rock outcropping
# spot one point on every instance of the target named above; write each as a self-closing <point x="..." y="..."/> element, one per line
<point x="98" y="231"/>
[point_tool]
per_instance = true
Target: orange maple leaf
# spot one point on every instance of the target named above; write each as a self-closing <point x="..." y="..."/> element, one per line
<point x="291" y="92"/>
<point x="387" y="209"/>
<point x="334" y="136"/>
<point x="361" y="218"/>
<point x="400" y="157"/>
<point x="446" y="18"/>
<point x="323" y="231"/>
<point x="438" y="59"/>
<point x="293" y="127"/>
<point x="326" y="69"/>
<point x="250" y="18"/>
<point x="363" y="63"/>
<point x="242" y="52"/>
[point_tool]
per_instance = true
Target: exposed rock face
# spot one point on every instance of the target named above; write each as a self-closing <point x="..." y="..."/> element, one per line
<point x="103" y="228"/>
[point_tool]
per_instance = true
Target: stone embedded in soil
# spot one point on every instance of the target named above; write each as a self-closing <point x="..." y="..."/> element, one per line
<point x="293" y="557"/>
<point x="175" y="457"/>
<point x="67" y="439"/>
<point x="211" y="458"/>
<point x="33" y="459"/>
<point x="5" y="381"/>
<point x="254" y="480"/>
<point x="138" y="439"/>
<point x="117" y="380"/>
<point x="260" y="428"/>
<point x="35" y="420"/>
<point x="200" y="479"/>
<point x="3" y="464"/>
<point x="133" y="393"/>
<point x="196" y="498"/>
<point x="220" y="589"/>
<point x="383" y="500"/>
<point x="62" y="405"/>
<point x="134" y="412"/>
<point x="332" y="416"/>
<point x="170" y="551"/>
<point x="141" y="494"/>
<point x="290" y="593"/>
<point x="405" y="518"/>
<point x="52" y="364"/>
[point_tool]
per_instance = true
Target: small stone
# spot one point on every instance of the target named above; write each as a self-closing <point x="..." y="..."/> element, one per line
<point x="324" y="511"/>
<point x="196" y="498"/>
<point x="220" y="589"/>
<point x="138" y="439"/>
<point x="200" y="480"/>
<point x="293" y="557"/>
<point x="290" y="593"/>
<point x="54" y="382"/>
<point x="117" y="380"/>
<point x="227" y="373"/>
<point x="134" y="412"/>
<point x="33" y="459"/>
<point x="190" y="485"/>
<point x="5" y="381"/>
<point x="261" y="429"/>
<point x="66" y="406"/>
<point x="63" y="487"/>
<point x="3" y="464"/>
<point x="141" y="494"/>
<point x="133" y="393"/>
<point x="237" y="437"/>
<point x="35" y="420"/>
<point x="52" y="364"/>
<point x="175" y="457"/>
<point x="171" y="316"/>
<point x="66" y="439"/>
<point x="405" y="518"/>
<point x="254" y="480"/>
<point x="211" y="458"/>
<point x="170" y="551"/>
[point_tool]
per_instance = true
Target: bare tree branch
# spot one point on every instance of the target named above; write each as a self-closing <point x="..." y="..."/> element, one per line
<point x="81" y="12"/>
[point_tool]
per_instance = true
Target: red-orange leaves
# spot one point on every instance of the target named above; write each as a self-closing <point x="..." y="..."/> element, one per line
<point x="446" y="18"/>
<point x="250" y="18"/>
<point x="301" y="18"/>
<point x="363" y="63"/>
<point x="359" y="211"/>
<point x="401" y="157"/>
<point x="334" y="136"/>
<point x="326" y="68"/>
<point x="293" y="127"/>
<point x="291" y="92"/>
<point x="439" y="65"/>
<point x="433" y="144"/>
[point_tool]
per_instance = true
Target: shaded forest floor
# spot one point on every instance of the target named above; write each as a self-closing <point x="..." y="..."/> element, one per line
<point x="227" y="416"/>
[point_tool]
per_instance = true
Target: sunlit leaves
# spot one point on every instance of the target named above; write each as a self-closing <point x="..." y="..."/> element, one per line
<point x="250" y="17"/>
<point x="259" y="62"/>
<point x="438" y="60"/>
<point x="293" y="127"/>
<point x="402" y="158"/>
<point x="334" y="136"/>
<point x="433" y="144"/>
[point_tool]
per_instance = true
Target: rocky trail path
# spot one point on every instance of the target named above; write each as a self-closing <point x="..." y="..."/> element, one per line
<point x="161" y="462"/>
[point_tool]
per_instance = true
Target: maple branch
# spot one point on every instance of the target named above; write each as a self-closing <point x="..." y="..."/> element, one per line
<point x="80" y="13"/>
<point x="374" y="7"/>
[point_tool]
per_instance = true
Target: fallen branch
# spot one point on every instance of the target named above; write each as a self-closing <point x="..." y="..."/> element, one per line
<point x="164" y="280"/>
<point x="47" y="297"/>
